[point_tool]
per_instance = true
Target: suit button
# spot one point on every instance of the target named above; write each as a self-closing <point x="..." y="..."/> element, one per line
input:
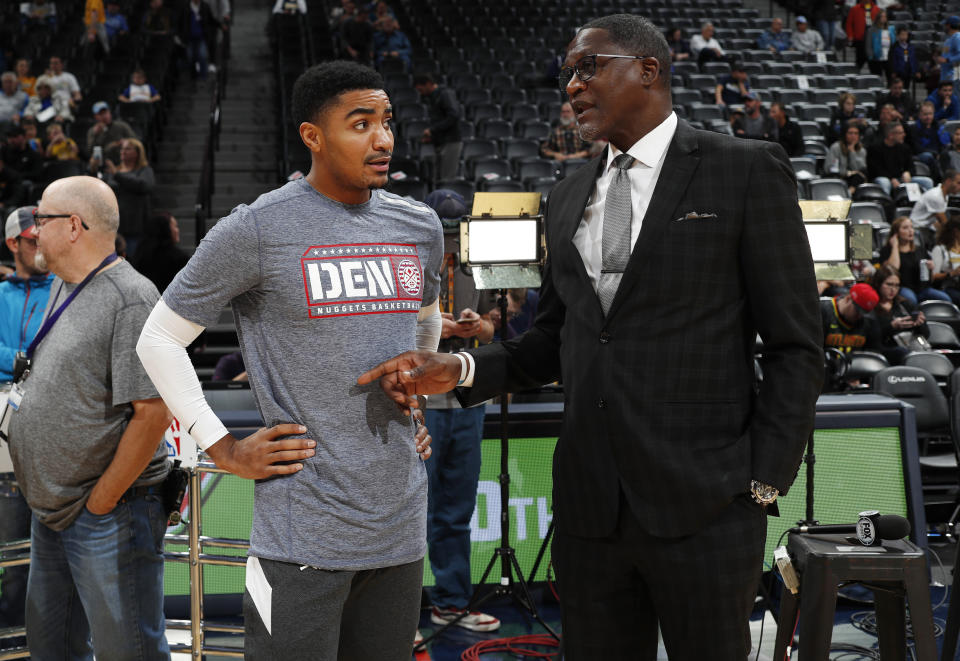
<point x="601" y="404"/>
<point x="604" y="337"/>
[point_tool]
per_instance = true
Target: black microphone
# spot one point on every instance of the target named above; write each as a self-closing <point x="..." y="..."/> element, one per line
<point x="870" y="529"/>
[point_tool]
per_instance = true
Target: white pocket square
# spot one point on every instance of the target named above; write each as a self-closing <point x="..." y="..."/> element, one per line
<point x="693" y="215"/>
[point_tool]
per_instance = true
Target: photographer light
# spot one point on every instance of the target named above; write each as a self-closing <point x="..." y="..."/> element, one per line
<point x="502" y="240"/>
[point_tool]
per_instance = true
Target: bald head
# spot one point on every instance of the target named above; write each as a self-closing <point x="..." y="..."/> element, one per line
<point x="88" y="197"/>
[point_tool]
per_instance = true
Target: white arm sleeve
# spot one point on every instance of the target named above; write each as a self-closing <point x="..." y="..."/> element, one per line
<point x="429" y="327"/>
<point x="162" y="350"/>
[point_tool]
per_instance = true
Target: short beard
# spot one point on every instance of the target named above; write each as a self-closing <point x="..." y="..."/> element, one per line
<point x="40" y="262"/>
<point x="567" y="122"/>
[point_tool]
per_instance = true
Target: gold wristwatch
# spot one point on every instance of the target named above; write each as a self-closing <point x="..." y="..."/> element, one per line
<point x="763" y="493"/>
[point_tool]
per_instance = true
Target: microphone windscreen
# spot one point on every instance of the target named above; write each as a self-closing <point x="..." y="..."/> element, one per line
<point x="891" y="526"/>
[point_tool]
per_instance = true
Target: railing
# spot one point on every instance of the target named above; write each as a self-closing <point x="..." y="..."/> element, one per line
<point x="196" y="558"/>
<point x="15" y="560"/>
<point x="203" y="207"/>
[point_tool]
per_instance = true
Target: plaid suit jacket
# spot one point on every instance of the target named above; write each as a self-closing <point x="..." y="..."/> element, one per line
<point x="660" y="396"/>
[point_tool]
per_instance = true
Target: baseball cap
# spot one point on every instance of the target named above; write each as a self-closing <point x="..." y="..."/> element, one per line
<point x="864" y="296"/>
<point x="100" y="106"/>
<point x="952" y="21"/>
<point x="20" y="223"/>
<point x="448" y="204"/>
<point x="801" y="19"/>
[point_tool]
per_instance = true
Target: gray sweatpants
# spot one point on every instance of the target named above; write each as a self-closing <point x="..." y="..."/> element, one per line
<point x="319" y="615"/>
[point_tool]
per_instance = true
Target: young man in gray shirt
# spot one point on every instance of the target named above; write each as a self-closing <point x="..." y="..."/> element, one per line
<point x="326" y="274"/>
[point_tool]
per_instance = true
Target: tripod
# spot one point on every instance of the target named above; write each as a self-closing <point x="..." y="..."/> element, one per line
<point x="511" y="582"/>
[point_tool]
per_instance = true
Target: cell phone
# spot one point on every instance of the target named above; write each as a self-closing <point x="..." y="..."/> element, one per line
<point x="98" y="153"/>
<point x="915" y="314"/>
<point x="465" y="321"/>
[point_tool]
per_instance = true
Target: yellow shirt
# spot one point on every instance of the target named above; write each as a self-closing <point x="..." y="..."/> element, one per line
<point x="93" y="5"/>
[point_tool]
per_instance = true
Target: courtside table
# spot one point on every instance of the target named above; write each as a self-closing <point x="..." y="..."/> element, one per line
<point x="895" y="570"/>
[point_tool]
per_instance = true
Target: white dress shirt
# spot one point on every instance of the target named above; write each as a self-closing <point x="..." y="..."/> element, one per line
<point x="649" y="152"/>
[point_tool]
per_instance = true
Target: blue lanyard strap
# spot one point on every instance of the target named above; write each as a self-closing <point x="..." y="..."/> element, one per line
<point x="52" y="319"/>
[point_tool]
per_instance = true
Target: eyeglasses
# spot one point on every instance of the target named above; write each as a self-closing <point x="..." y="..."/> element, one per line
<point x="586" y="67"/>
<point x="41" y="219"/>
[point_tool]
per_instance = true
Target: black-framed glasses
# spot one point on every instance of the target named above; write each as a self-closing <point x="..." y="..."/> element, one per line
<point x="39" y="217"/>
<point x="586" y="67"/>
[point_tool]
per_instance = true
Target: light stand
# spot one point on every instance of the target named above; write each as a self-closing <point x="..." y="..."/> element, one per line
<point x="502" y="242"/>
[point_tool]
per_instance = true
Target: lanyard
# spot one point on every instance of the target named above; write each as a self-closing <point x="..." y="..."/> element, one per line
<point x="52" y="319"/>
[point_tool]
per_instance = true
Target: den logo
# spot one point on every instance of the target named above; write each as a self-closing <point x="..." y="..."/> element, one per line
<point x="361" y="278"/>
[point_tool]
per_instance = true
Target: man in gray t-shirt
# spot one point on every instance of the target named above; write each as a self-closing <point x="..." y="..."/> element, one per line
<point x="325" y="275"/>
<point x="87" y="445"/>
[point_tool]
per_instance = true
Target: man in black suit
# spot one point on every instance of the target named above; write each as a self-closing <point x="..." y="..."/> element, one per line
<point x="669" y="449"/>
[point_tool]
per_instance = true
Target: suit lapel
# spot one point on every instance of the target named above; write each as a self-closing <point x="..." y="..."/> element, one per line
<point x="678" y="167"/>
<point x="573" y="204"/>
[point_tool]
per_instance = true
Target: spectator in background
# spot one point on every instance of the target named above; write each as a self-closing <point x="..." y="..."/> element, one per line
<point x="13" y="100"/>
<point x="107" y="132"/>
<point x="755" y="123"/>
<point x="845" y="326"/>
<point x="949" y="58"/>
<point x="27" y="163"/>
<point x="23" y="299"/>
<point x="197" y="33"/>
<point x="880" y="38"/>
<point x="157" y="21"/>
<point x="444" y="130"/>
<point x="898" y="98"/>
<point x="63" y="83"/>
<point x="774" y="39"/>
<point x="927" y="138"/>
<point x="825" y="15"/>
<point x="902" y="253"/>
<point x="390" y="43"/>
<point x="565" y="141"/>
<point x="39" y="12"/>
<point x="945" y="101"/>
<point x="139" y="90"/>
<point x="230" y="368"/>
<point x="732" y="88"/>
<point x="115" y="22"/>
<point x="888" y="115"/>
<point x="132" y="180"/>
<point x="805" y="39"/>
<point x="902" y="59"/>
<point x="890" y="162"/>
<point x="29" y="125"/>
<point x="704" y="47"/>
<point x="158" y="255"/>
<point x="12" y="190"/>
<point x="94" y="18"/>
<point x="521" y="311"/>
<point x="357" y="33"/>
<point x="789" y="133"/>
<point x="288" y="7"/>
<point x="454" y="469"/>
<point x="59" y="146"/>
<point x="893" y="315"/>
<point x="679" y="47"/>
<point x="26" y="81"/>
<point x="932" y="205"/>
<point x="950" y="157"/>
<point x="47" y="106"/>
<point x="946" y="259"/>
<point x="843" y="113"/>
<point x="847" y="158"/>
<point x="859" y="18"/>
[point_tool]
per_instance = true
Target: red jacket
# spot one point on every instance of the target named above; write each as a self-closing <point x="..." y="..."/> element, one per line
<point x="856" y="25"/>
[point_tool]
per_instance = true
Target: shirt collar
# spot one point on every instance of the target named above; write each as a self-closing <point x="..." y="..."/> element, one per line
<point x="650" y="148"/>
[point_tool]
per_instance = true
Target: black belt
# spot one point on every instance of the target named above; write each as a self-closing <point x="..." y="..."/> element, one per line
<point x="137" y="492"/>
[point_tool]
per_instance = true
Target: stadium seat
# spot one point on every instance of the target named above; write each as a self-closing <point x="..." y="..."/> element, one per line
<point x="870" y="211"/>
<point x="534" y="168"/>
<point x="936" y="363"/>
<point x="462" y="186"/>
<point x="942" y="336"/>
<point x="520" y="148"/>
<point x="863" y="365"/>
<point x="490" y="167"/>
<point x="477" y="148"/>
<point x="829" y="189"/>
<point x="501" y="186"/>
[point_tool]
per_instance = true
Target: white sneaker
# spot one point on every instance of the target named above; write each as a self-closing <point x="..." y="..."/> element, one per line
<point x="417" y="640"/>
<point x="474" y="620"/>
